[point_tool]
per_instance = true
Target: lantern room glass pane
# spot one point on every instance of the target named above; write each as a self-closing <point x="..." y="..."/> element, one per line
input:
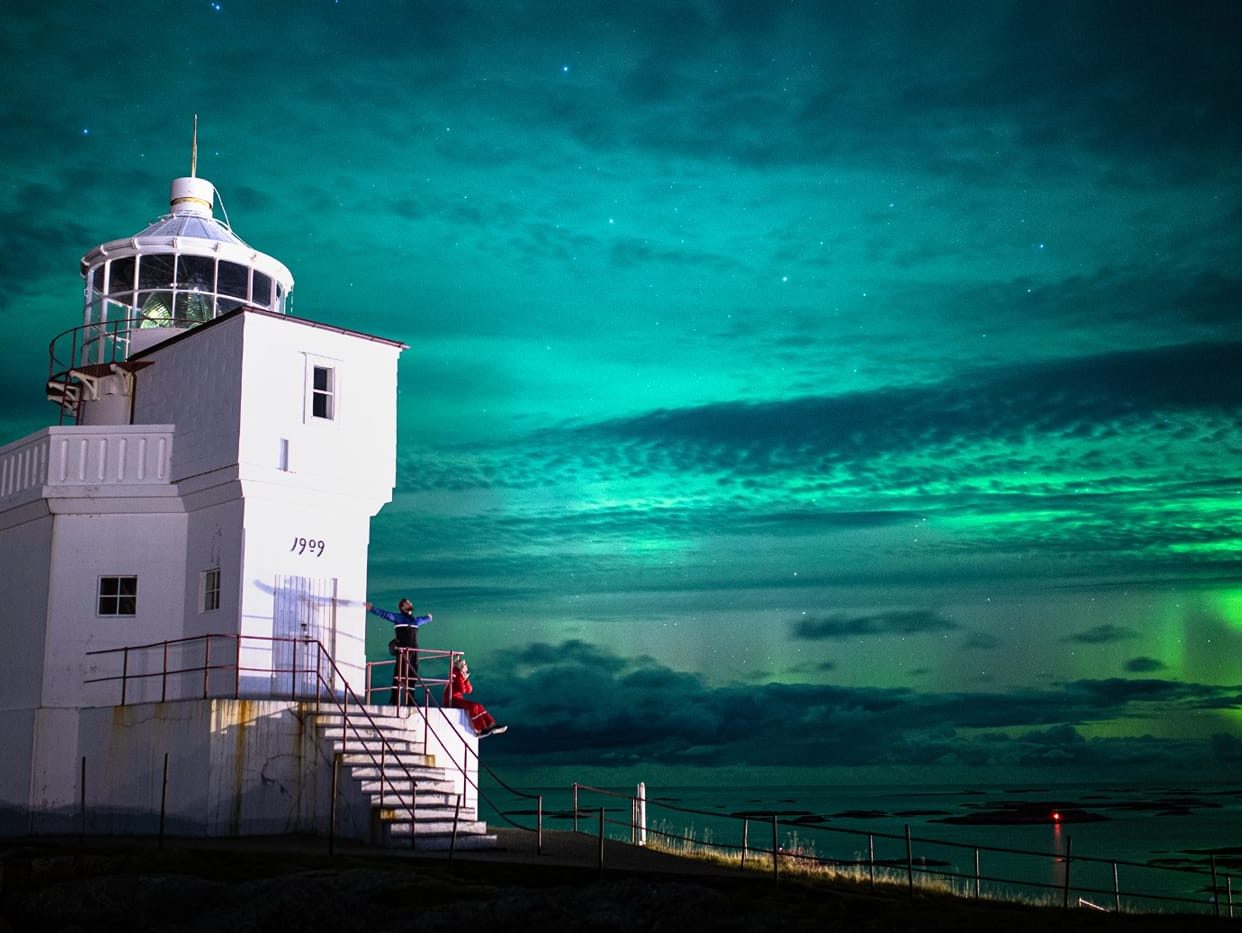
<point x="262" y="296"/>
<point x="121" y="277"/>
<point x="156" y="271"/>
<point x="234" y="279"/>
<point x="196" y="272"/>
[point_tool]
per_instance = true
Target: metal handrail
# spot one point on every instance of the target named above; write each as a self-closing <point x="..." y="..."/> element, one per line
<point x="323" y="687"/>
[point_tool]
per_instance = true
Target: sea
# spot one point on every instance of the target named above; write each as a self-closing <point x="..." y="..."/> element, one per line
<point x="1136" y="847"/>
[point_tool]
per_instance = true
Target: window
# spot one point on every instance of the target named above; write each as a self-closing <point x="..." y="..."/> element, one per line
<point x="209" y="584"/>
<point x="323" y="392"/>
<point x="118" y="596"/>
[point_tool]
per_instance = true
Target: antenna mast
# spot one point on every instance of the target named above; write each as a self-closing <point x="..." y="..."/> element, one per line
<point x="194" y="149"/>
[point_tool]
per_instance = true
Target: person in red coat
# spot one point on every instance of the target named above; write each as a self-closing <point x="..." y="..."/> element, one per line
<point x="455" y="695"/>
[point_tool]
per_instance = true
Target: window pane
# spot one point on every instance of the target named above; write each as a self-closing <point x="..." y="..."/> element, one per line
<point x="118" y="596"/>
<point x="233" y="279"/>
<point x="193" y="306"/>
<point x="262" y="297"/>
<point x="121" y="276"/>
<point x="156" y="271"/>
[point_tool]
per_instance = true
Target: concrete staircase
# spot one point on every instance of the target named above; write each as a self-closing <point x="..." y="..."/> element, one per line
<point x="408" y="792"/>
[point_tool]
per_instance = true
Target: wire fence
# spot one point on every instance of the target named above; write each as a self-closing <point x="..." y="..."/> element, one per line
<point x="914" y="863"/>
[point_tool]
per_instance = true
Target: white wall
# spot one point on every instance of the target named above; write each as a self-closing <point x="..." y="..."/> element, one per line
<point x="234" y="768"/>
<point x="84" y="548"/>
<point x="25" y="554"/>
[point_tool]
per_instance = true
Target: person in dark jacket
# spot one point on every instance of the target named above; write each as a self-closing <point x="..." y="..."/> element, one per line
<point x="405" y="635"/>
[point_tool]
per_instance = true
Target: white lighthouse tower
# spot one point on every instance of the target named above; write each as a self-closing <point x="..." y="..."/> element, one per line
<point x="183" y="557"/>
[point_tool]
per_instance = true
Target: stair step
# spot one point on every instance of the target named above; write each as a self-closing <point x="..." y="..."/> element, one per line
<point x="396" y="748"/>
<point x="419" y="765"/>
<point x="402" y="786"/>
<point x="328" y="721"/>
<point x="423" y="800"/>
<point x="401" y="828"/>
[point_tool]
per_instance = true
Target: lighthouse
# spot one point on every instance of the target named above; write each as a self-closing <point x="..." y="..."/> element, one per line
<point x="183" y="553"/>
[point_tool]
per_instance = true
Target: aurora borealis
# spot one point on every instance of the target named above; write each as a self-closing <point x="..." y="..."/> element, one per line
<point x="796" y="391"/>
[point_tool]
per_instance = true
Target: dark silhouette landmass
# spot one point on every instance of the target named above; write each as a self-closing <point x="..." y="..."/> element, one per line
<point x="295" y="885"/>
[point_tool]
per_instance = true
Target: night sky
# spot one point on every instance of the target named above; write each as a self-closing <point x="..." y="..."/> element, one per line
<point x="797" y="391"/>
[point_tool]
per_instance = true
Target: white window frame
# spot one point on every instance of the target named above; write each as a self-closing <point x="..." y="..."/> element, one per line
<point x="332" y="394"/>
<point x="209" y="590"/>
<point x="117" y="597"/>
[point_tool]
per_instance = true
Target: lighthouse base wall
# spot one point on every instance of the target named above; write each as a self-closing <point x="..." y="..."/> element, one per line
<point x="188" y="768"/>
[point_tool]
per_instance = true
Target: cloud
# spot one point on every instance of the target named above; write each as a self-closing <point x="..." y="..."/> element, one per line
<point x="1102" y="635"/>
<point x="914" y="622"/>
<point x="598" y="709"/>
<point x="1144" y="665"/>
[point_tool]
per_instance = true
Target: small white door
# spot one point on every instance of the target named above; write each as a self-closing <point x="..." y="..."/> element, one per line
<point x="305" y="619"/>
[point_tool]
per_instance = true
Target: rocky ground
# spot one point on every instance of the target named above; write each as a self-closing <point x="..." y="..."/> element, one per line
<point x="64" y="887"/>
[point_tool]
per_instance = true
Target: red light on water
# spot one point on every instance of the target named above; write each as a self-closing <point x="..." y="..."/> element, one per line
<point x="1056" y="816"/>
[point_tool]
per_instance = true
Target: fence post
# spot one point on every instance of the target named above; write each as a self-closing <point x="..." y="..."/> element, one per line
<point x="1116" y="890"/>
<point x="871" y="856"/>
<point x="642" y="813"/>
<point x="1215" y="890"/>
<point x="539" y="825"/>
<point x="82" y="804"/>
<point x="909" y="861"/>
<point x="575" y="802"/>
<point x="1069" y="845"/>
<point x="745" y="836"/>
<point x="601" y="839"/>
<point x="163" y="800"/>
<point x="776" y="854"/>
<point x="1229" y="894"/>
<point x="976" y="873"/>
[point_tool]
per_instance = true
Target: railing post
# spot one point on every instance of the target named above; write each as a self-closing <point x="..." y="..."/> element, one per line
<point x="745" y="834"/>
<point x="539" y="825"/>
<point x="163" y="800"/>
<point x="871" y="856"/>
<point x="413" y="812"/>
<point x="453" y="838"/>
<point x="1215" y="889"/>
<point x="977" y="873"/>
<point x="776" y="854"/>
<point x="82" y="804"/>
<point x="1116" y="890"/>
<point x="336" y="771"/>
<point x="909" y="861"/>
<point x="575" y="802"/>
<point x="1069" y="845"/>
<point x="601" y="839"/>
